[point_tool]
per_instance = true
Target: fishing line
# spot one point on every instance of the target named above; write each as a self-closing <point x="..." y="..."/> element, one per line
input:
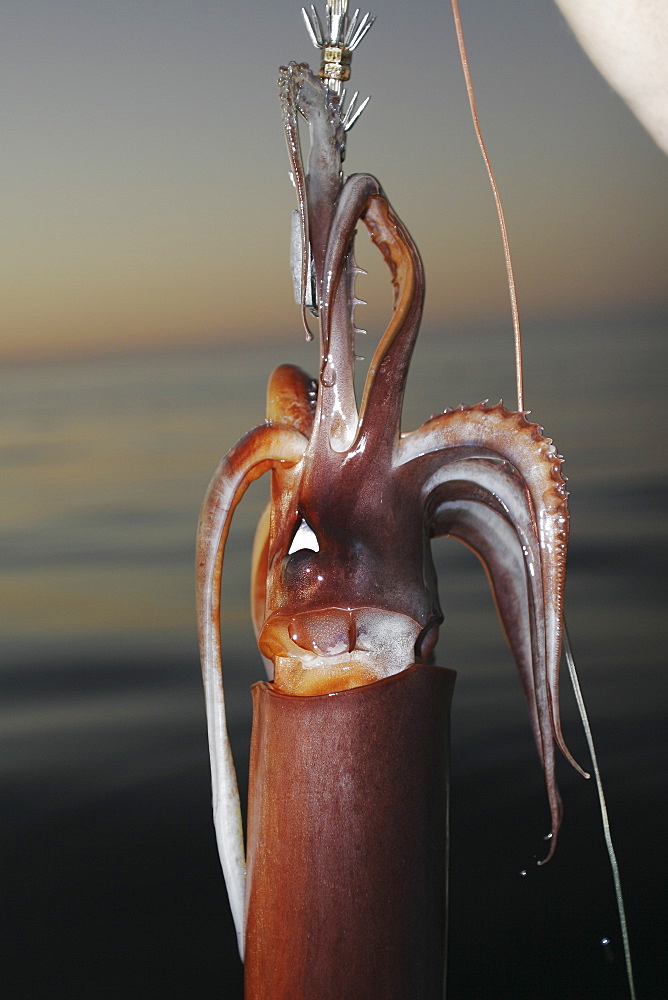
<point x="614" y="866"/>
<point x="604" y="811"/>
<point x="517" y="336"/>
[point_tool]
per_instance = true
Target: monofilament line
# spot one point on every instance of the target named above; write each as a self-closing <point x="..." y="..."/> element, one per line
<point x="604" y="812"/>
<point x="519" y="380"/>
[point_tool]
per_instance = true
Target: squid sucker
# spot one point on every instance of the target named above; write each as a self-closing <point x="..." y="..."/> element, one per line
<point x="345" y="892"/>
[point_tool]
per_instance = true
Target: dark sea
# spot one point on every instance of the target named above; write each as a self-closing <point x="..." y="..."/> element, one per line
<point x="111" y="883"/>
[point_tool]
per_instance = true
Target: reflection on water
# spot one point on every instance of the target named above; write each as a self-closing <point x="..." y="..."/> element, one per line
<point x="104" y="464"/>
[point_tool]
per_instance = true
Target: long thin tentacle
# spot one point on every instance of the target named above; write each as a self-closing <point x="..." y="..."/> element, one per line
<point x="291" y="401"/>
<point x="501" y="465"/>
<point x="520" y="442"/>
<point x="350" y="206"/>
<point x="361" y="198"/>
<point x="386" y="379"/>
<point x="260" y="449"/>
<point x="508" y="564"/>
<point x="472" y="503"/>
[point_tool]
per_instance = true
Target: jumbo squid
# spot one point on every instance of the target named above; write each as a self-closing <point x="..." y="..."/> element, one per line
<point x="344" y="590"/>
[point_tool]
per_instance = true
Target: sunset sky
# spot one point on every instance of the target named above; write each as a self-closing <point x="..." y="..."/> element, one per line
<point x="146" y="191"/>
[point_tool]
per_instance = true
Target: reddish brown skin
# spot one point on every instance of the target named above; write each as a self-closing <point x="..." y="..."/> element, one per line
<point x="373" y="498"/>
<point x="347" y="844"/>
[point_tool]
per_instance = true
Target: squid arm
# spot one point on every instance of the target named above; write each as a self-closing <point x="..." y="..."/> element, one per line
<point x="493" y="481"/>
<point x="261" y="449"/>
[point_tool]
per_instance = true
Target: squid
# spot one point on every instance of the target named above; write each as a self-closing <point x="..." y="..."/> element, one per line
<point x="349" y="744"/>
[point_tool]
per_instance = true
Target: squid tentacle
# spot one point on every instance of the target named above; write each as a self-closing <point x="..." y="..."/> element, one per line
<point x="291" y="400"/>
<point x="350" y="206"/>
<point x="525" y="487"/>
<point x="260" y="449"/>
<point x="494" y="497"/>
<point x="535" y="457"/>
<point x="468" y="521"/>
<point x="386" y="379"/>
<point x="361" y="199"/>
<point x="505" y="551"/>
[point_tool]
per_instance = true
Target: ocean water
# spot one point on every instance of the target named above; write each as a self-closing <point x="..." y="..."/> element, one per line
<point x="113" y="885"/>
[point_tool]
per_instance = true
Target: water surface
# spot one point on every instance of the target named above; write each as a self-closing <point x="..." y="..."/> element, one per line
<point x="112" y="876"/>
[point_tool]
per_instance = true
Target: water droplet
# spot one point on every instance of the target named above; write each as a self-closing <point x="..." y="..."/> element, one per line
<point x="605" y="941"/>
<point x="523" y="872"/>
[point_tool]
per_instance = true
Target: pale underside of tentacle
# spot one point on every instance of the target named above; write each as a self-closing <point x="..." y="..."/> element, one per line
<point x="362" y="199"/>
<point x="494" y="481"/>
<point x="483" y="502"/>
<point x="478" y="502"/>
<point x="522" y="444"/>
<point x="495" y="541"/>
<point x="261" y="449"/>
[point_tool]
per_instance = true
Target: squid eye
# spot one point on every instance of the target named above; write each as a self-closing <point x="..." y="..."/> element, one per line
<point x="304" y="538"/>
